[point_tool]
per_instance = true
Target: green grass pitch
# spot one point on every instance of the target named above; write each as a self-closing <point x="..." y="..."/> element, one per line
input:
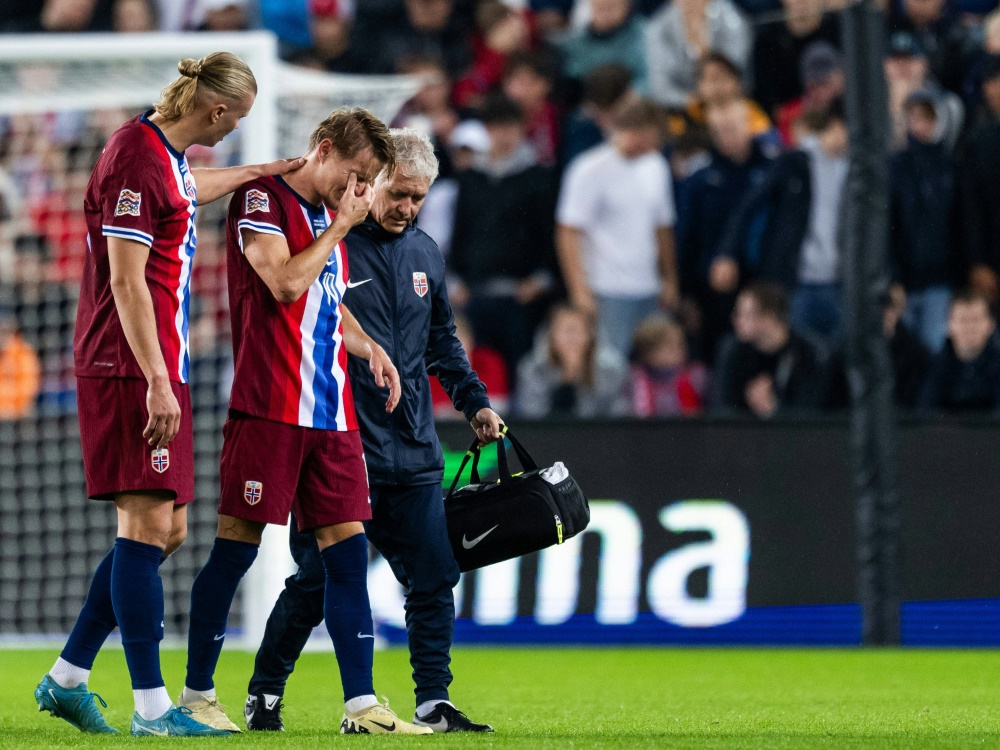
<point x="591" y="698"/>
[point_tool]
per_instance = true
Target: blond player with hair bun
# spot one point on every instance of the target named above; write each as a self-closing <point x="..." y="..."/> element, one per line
<point x="132" y="361"/>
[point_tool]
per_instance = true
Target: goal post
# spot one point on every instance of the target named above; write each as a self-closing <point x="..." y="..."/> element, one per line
<point x="61" y="96"/>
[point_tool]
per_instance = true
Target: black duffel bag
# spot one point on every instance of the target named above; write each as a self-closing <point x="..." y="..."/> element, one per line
<point x="518" y="514"/>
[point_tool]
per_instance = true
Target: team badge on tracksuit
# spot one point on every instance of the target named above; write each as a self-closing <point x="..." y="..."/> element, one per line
<point x="420" y="283"/>
<point x="160" y="459"/>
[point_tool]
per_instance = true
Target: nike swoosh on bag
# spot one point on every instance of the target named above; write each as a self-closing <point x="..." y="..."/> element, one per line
<point x="469" y="544"/>
<point x="352" y="284"/>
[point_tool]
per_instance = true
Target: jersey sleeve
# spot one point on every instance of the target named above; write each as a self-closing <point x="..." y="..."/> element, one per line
<point x="258" y="210"/>
<point x="132" y="198"/>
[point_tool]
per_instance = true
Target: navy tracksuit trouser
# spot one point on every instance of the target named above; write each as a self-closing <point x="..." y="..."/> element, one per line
<point x="408" y="528"/>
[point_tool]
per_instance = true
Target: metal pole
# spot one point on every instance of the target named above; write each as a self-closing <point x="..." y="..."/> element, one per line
<point x="865" y="269"/>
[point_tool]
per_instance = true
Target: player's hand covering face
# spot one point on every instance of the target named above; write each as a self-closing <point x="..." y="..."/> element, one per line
<point x="355" y="202"/>
<point x="334" y="173"/>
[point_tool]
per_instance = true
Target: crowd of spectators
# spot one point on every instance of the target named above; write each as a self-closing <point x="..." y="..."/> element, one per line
<point x="640" y="200"/>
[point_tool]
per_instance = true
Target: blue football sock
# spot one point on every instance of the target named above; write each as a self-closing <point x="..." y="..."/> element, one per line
<point x="348" y="613"/>
<point x="96" y="619"/>
<point x="137" y="598"/>
<point x="211" y="597"/>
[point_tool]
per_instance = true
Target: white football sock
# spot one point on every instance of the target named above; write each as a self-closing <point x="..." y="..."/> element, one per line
<point x="68" y="675"/>
<point x="354" y="705"/>
<point x="189" y="696"/>
<point x="427" y="706"/>
<point x="153" y="703"/>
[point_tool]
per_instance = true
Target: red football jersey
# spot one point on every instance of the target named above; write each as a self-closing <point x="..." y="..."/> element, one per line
<point x="291" y="362"/>
<point x="142" y="189"/>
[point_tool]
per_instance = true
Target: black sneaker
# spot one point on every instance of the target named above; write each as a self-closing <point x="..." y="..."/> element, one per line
<point x="446" y="718"/>
<point x="263" y="713"/>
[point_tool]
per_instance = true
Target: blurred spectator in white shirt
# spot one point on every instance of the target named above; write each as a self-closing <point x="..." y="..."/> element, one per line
<point x="615" y="235"/>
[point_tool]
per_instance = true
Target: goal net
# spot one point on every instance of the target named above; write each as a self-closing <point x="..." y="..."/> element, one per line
<point x="61" y="97"/>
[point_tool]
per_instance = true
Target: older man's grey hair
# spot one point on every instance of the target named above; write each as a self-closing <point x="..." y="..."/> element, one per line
<point x="414" y="154"/>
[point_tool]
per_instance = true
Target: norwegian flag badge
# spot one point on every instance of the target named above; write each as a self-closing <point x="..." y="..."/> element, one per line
<point x="160" y="459"/>
<point x="128" y="203"/>
<point x="420" y="283"/>
<point x="252" y="492"/>
<point x="257" y="200"/>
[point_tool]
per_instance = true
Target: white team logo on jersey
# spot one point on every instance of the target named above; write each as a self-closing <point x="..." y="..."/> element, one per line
<point x="160" y="459"/>
<point x="128" y="203"/>
<point x="252" y="492"/>
<point x="257" y="200"/>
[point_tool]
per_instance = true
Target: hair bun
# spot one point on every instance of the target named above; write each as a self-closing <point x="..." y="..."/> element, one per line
<point x="189" y="68"/>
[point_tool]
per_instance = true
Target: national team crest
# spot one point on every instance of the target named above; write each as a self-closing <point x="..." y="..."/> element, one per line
<point x="420" y="283"/>
<point x="160" y="459"/>
<point x="252" y="492"/>
<point x="257" y="200"/>
<point x="189" y="186"/>
<point x="128" y="203"/>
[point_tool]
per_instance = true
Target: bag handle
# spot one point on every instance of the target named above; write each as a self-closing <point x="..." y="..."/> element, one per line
<point x="472" y="453"/>
<point x="475" y="450"/>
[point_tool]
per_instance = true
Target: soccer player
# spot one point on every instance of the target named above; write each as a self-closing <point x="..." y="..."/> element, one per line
<point x="397" y="289"/>
<point x="131" y="351"/>
<point x="291" y="440"/>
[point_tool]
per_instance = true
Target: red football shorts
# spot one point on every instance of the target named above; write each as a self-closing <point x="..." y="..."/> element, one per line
<point x="116" y="457"/>
<point x="271" y="468"/>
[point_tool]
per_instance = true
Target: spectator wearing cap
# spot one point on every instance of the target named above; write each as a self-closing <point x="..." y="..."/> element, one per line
<point x="682" y="33"/>
<point x="798" y="204"/>
<point x="612" y="35"/>
<point x="822" y="74"/>
<point x="615" y="227"/>
<point x="330" y="25"/>
<point x="765" y="368"/>
<point x="923" y="229"/>
<point x="502" y="245"/>
<point x="425" y="28"/>
<point x="528" y="81"/>
<point x="907" y="71"/>
<point x="605" y="88"/>
<point x="779" y="48"/>
<point x="965" y="375"/>
<point x="942" y="36"/>
<point x="737" y="163"/>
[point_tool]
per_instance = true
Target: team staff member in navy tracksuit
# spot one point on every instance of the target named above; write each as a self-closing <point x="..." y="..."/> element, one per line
<point x="397" y="292"/>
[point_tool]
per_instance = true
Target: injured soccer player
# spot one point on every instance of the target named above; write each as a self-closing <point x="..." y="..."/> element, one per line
<point x="291" y="442"/>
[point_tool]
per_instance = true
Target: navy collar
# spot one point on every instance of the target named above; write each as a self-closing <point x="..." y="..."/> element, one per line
<point x="310" y="207"/>
<point x="379" y="232"/>
<point x="144" y="119"/>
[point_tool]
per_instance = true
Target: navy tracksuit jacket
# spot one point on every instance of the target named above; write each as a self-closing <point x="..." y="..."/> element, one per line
<point x="396" y="290"/>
